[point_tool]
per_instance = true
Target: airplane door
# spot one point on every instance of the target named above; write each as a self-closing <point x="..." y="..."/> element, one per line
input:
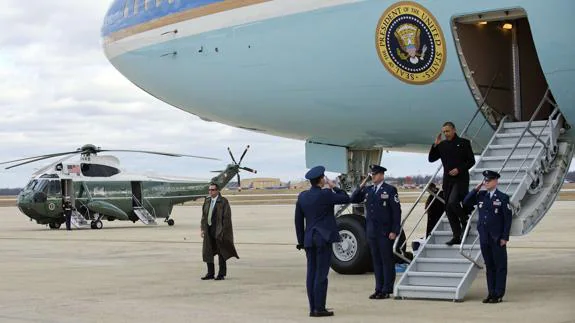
<point x="136" y="194"/>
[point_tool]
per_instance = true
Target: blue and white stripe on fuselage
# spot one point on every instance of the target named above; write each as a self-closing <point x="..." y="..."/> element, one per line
<point x="309" y="69"/>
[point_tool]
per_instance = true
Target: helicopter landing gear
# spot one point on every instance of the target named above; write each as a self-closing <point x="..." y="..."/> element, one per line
<point x="54" y="226"/>
<point x="171" y="222"/>
<point x="96" y="224"/>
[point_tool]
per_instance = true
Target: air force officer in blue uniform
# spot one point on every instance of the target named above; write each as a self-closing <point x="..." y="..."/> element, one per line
<point x="493" y="226"/>
<point x="316" y="206"/>
<point x="383" y="224"/>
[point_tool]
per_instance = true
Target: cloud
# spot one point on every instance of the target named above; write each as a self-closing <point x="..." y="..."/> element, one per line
<point x="58" y="92"/>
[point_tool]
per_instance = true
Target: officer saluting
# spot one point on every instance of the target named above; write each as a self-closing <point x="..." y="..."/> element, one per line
<point x="493" y="226"/>
<point x="316" y="206"/>
<point x="383" y="223"/>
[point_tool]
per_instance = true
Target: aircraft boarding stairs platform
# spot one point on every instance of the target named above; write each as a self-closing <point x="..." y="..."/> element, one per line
<point x="145" y="216"/>
<point x="533" y="162"/>
<point x="78" y="220"/>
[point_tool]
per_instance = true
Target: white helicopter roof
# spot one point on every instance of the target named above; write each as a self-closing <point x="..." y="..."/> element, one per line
<point x="102" y="167"/>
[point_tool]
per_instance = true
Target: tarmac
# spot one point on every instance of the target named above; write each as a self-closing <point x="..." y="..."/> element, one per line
<point x="135" y="273"/>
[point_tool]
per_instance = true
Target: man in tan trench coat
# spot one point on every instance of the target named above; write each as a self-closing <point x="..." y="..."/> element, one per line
<point x="217" y="233"/>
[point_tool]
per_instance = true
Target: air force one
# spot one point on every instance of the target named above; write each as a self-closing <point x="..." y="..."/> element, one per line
<point x="355" y="77"/>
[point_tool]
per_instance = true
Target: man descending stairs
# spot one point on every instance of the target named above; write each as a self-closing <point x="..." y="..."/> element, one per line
<point x="533" y="161"/>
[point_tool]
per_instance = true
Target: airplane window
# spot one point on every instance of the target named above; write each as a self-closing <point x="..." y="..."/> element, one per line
<point x="95" y="170"/>
<point x="126" y="8"/>
<point x="136" y="6"/>
<point x="146" y="4"/>
<point x="158" y="3"/>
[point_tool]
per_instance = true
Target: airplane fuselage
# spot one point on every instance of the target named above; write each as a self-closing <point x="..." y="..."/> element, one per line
<point x="317" y="70"/>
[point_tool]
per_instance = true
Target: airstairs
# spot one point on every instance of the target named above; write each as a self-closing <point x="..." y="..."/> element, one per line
<point x="533" y="161"/>
<point x="78" y="220"/>
<point x="145" y="216"/>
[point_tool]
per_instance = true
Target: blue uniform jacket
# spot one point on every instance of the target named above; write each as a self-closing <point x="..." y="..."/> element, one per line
<point x="494" y="214"/>
<point x="383" y="211"/>
<point x="316" y="205"/>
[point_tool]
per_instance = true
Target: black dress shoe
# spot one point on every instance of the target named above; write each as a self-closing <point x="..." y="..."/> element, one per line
<point x="208" y="277"/>
<point x="495" y="300"/>
<point x="374" y="295"/>
<point x="220" y="277"/>
<point x="453" y="241"/>
<point x="323" y="313"/>
<point x="487" y="299"/>
<point x="382" y="296"/>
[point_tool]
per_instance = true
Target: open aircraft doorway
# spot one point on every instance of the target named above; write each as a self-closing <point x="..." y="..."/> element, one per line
<point x="500" y="63"/>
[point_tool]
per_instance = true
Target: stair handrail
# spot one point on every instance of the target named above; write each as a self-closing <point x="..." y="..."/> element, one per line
<point x="535" y="113"/>
<point x="551" y="141"/>
<point x="151" y="207"/>
<point x="432" y="179"/>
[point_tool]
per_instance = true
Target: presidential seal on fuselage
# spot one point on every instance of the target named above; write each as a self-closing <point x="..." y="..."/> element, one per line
<point x="410" y="43"/>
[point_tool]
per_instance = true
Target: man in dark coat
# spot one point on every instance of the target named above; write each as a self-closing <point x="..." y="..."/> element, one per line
<point x="68" y="209"/>
<point x="457" y="158"/>
<point x="493" y="226"/>
<point x="383" y="226"/>
<point x="316" y="206"/>
<point x="435" y="208"/>
<point x="217" y="233"/>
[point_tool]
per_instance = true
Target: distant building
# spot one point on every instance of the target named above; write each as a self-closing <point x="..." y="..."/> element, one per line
<point x="261" y="183"/>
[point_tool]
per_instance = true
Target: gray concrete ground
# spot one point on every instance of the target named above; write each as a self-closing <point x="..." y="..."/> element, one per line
<point x="132" y="273"/>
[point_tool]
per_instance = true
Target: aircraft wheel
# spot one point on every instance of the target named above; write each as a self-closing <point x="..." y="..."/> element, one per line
<point x="97" y="224"/>
<point x="351" y="256"/>
<point x="55" y="226"/>
<point x="171" y="222"/>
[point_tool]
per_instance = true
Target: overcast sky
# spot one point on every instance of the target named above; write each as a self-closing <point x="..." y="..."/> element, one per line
<point x="58" y="92"/>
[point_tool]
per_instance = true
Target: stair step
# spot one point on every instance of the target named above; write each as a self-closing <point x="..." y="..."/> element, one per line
<point x="433" y="279"/>
<point x="510" y="146"/>
<point x="527" y="135"/>
<point x="503" y="158"/>
<point x="517" y="180"/>
<point x="431" y="292"/>
<point x="449" y="233"/>
<point x="444" y="246"/>
<point x="453" y="265"/>
<point x="523" y="124"/>
<point x="525" y="167"/>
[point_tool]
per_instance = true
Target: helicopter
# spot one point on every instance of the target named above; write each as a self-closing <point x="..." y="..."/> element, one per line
<point x="100" y="190"/>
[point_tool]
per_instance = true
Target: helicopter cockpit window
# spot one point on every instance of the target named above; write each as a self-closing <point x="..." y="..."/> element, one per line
<point x="41" y="186"/>
<point x="54" y="188"/>
<point x="95" y="170"/>
<point x="31" y="184"/>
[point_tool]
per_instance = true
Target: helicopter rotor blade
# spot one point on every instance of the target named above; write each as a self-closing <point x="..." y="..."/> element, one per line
<point x="157" y="153"/>
<point x="29" y="162"/>
<point x="249" y="170"/>
<point x="239" y="182"/>
<point x="39" y="157"/>
<point x="244" y="154"/>
<point x="232" y="155"/>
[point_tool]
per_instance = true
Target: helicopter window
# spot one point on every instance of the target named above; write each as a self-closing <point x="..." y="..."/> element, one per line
<point x="95" y="170"/>
<point x="31" y="185"/>
<point x="54" y="188"/>
<point x="41" y="186"/>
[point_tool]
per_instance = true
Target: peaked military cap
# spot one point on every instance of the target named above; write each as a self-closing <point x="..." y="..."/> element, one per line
<point x="377" y="169"/>
<point x="316" y="172"/>
<point x="489" y="174"/>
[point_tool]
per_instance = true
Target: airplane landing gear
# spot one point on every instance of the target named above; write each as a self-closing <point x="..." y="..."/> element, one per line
<point x="54" y="226"/>
<point x="171" y="222"/>
<point x="96" y="224"/>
